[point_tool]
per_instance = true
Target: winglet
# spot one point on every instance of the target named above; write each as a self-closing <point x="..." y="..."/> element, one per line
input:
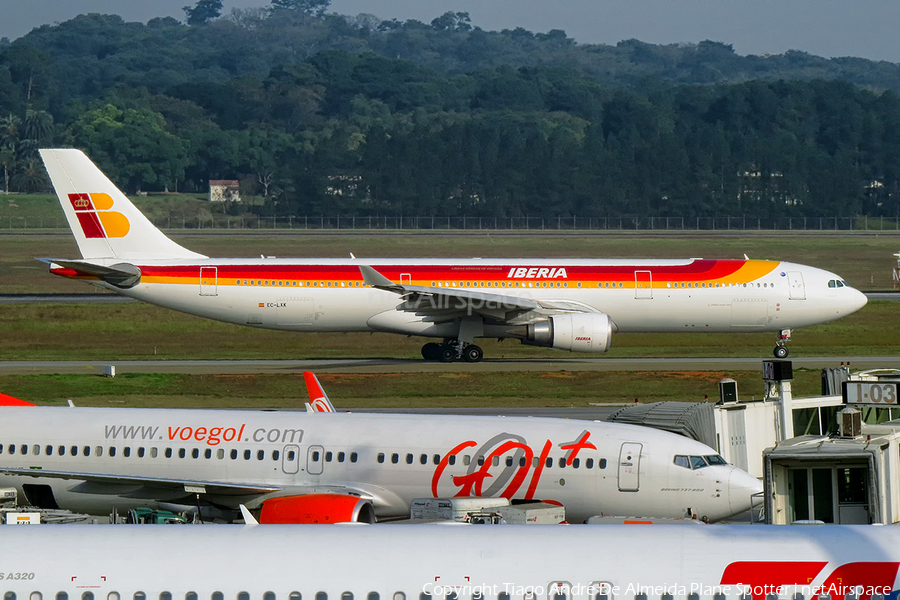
<point x="318" y="399"/>
<point x="6" y="400"/>
<point x="248" y="518"/>
<point x="376" y="280"/>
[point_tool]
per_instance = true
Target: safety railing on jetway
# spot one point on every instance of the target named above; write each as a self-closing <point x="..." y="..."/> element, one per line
<point x="568" y="223"/>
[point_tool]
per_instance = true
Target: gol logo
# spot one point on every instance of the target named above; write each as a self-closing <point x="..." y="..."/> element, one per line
<point x="96" y="218"/>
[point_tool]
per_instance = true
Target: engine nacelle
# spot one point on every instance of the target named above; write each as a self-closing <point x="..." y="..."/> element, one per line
<point x="317" y="508"/>
<point x="582" y="332"/>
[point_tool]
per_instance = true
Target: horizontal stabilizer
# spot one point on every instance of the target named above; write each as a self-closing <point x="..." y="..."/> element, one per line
<point x="121" y="275"/>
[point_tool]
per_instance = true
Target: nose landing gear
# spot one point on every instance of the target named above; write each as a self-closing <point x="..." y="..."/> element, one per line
<point x="781" y="350"/>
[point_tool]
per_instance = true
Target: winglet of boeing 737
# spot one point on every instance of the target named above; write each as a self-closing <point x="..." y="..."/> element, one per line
<point x="318" y="399"/>
<point x="248" y="518"/>
<point x="6" y="400"/>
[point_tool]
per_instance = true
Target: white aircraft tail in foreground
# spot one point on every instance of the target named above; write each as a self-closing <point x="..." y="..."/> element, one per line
<point x="323" y="466"/>
<point x="570" y="304"/>
<point x="458" y="562"/>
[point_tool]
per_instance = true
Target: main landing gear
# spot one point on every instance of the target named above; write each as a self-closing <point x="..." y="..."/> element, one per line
<point x="781" y="351"/>
<point x="452" y="350"/>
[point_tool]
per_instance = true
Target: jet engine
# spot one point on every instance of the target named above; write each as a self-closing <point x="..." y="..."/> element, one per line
<point x="317" y="508"/>
<point x="582" y="332"/>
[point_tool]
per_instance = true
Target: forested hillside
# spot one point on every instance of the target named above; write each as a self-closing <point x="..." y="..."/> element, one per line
<point x="324" y="114"/>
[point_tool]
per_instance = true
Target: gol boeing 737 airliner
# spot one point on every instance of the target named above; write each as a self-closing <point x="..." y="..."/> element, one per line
<point x="450" y="562"/>
<point x="562" y="303"/>
<point x="322" y="466"/>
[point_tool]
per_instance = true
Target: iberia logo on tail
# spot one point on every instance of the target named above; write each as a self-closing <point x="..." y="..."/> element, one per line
<point x="96" y="218"/>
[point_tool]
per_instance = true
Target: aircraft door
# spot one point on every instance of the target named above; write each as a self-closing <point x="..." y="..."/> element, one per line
<point x="209" y="281"/>
<point x="314" y="460"/>
<point x="290" y="459"/>
<point x="405" y="279"/>
<point x="797" y="289"/>
<point x="643" y="284"/>
<point x="629" y="467"/>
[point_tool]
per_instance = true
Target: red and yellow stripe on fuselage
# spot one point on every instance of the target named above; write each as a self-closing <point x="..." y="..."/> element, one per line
<point x="513" y="274"/>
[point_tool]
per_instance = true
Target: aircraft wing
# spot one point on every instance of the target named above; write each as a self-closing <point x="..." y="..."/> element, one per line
<point x="131" y="486"/>
<point x="438" y="304"/>
<point x="163" y="489"/>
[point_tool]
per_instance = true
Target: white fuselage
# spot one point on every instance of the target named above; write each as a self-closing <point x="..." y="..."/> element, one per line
<point x="591" y="468"/>
<point x="464" y="562"/>
<point x="693" y="295"/>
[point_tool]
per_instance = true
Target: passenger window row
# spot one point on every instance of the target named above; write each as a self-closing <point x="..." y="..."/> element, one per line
<point x="290" y="283"/>
<point x="509" y="461"/>
<point x="153" y="452"/>
<point x="690" y="284"/>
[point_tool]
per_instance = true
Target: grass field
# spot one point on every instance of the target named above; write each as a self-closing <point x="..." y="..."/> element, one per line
<point x="354" y="391"/>
<point x="137" y="331"/>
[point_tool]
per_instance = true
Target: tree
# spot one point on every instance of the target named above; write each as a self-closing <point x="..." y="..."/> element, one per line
<point x="9" y="139"/>
<point x="31" y="177"/>
<point x="203" y="12"/>
<point x="314" y="8"/>
<point x="132" y="146"/>
<point x="452" y="21"/>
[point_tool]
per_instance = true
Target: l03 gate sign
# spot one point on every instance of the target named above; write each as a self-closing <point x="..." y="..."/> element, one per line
<point x="870" y="393"/>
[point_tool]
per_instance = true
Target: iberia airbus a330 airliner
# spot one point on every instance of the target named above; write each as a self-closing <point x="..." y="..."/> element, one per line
<point x="572" y="304"/>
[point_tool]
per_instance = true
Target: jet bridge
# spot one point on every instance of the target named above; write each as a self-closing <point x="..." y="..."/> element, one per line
<point x="849" y="474"/>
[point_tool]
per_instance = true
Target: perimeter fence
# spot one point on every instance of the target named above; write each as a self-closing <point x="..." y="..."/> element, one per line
<point x="252" y="222"/>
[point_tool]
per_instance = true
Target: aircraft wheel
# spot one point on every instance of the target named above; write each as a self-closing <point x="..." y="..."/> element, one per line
<point x="781" y="352"/>
<point x="448" y="354"/>
<point x="473" y="353"/>
<point x="431" y="351"/>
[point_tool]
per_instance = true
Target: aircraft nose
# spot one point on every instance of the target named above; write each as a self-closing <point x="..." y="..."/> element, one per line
<point x="856" y="301"/>
<point x="741" y="489"/>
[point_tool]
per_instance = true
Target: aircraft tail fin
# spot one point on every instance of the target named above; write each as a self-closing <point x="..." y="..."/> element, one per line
<point x="105" y="223"/>
<point x="318" y="399"/>
<point x="6" y="400"/>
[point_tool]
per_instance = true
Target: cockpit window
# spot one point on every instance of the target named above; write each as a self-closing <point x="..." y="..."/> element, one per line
<point x="682" y="461"/>
<point x="715" y="459"/>
<point x="836" y="283"/>
<point x="697" y="462"/>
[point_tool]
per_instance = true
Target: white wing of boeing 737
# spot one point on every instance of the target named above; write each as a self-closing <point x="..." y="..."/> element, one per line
<point x="570" y="304"/>
<point x="319" y="467"/>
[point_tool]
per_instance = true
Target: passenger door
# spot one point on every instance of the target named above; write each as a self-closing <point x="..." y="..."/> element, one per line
<point x="290" y="459"/>
<point x="630" y="467"/>
<point x="209" y="281"/>
<point x="643" y="284"/>
<point x="797" y="290"/>
<point x="314" y="460"/>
